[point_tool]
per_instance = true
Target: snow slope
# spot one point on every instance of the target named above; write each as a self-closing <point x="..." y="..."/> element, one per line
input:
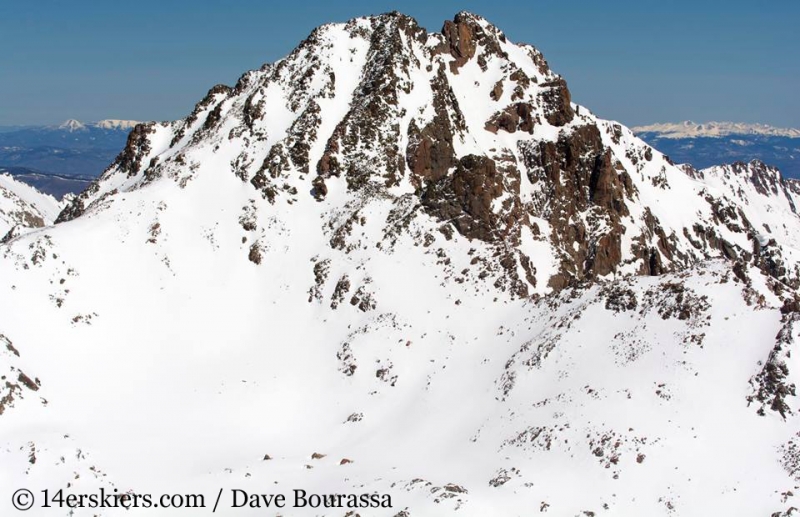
<point x="23" y="206"/>
<point x="414" y="252"/>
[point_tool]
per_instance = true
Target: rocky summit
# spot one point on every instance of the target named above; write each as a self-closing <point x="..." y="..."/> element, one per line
<point x="403" y="262"/>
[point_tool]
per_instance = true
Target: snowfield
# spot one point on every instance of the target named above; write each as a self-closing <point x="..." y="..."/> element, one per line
<point x="22" y="206"/>
<point x="369" y="269"/>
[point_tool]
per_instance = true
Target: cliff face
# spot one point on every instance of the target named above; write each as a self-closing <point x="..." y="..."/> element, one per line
<point x="414" y="251"/>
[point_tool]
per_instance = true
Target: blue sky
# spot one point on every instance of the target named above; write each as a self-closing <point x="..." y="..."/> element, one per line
<point x="634" y="61"/>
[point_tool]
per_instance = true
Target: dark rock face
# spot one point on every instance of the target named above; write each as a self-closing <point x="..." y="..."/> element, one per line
<point x="606" y="186"/>
<point x="772" y="386"/>
<point x="290" y="152"/>
<point x="370" y="125"/>
<point x="604" y="254"/>
<point x="130" y="159"/>
<point x="556" y="101"/>
<point x="577" y="173"/>
<point x="465" y="198"/>
<point x="651" y="257"/>
<point x="430" y="152"/>
<point x="460" y="35"/>
<point x="211" y="120"/>
<point x="320" y="189"/>
<point x="517" y="116"/>
<point x="770" y="260"/>
<point x="73" y="210"/>
<point x="497" y="91"/>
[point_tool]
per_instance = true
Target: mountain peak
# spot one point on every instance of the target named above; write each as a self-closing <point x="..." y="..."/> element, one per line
<point x="72" y="125"/>
<point x="468" y="16"/>
<point x="478" y="130"/>
<point x="116" y="124"/>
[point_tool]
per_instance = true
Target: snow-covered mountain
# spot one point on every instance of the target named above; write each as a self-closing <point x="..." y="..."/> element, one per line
<point x="71" y="125"/>
<point x="22" y="207"/>
<point x="705" y="145"/>
<point x="408" y="263"/>
<point x="76" y="125"/>
<point x="122" y="125"/>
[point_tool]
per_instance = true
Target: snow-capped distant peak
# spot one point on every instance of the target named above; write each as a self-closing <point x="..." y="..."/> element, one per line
<point x="72" y="125"/>
<point x="116" y="124"/>
<point x="110" y="124"/>
<point x="689" y="129"/>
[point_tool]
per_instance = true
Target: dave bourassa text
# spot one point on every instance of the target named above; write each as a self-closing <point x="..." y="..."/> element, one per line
<point x="301" y="499"/>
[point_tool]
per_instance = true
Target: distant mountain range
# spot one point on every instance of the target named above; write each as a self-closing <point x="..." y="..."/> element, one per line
<point x="704" y="145"/>
<point x="53" y="155"/>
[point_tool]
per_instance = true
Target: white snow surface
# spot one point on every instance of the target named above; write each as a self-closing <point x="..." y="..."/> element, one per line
<point x="24" y="206"/>
<point x="72" y="125"/>
<point x="116" y="124"/>
<point x="168" y="361"/>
